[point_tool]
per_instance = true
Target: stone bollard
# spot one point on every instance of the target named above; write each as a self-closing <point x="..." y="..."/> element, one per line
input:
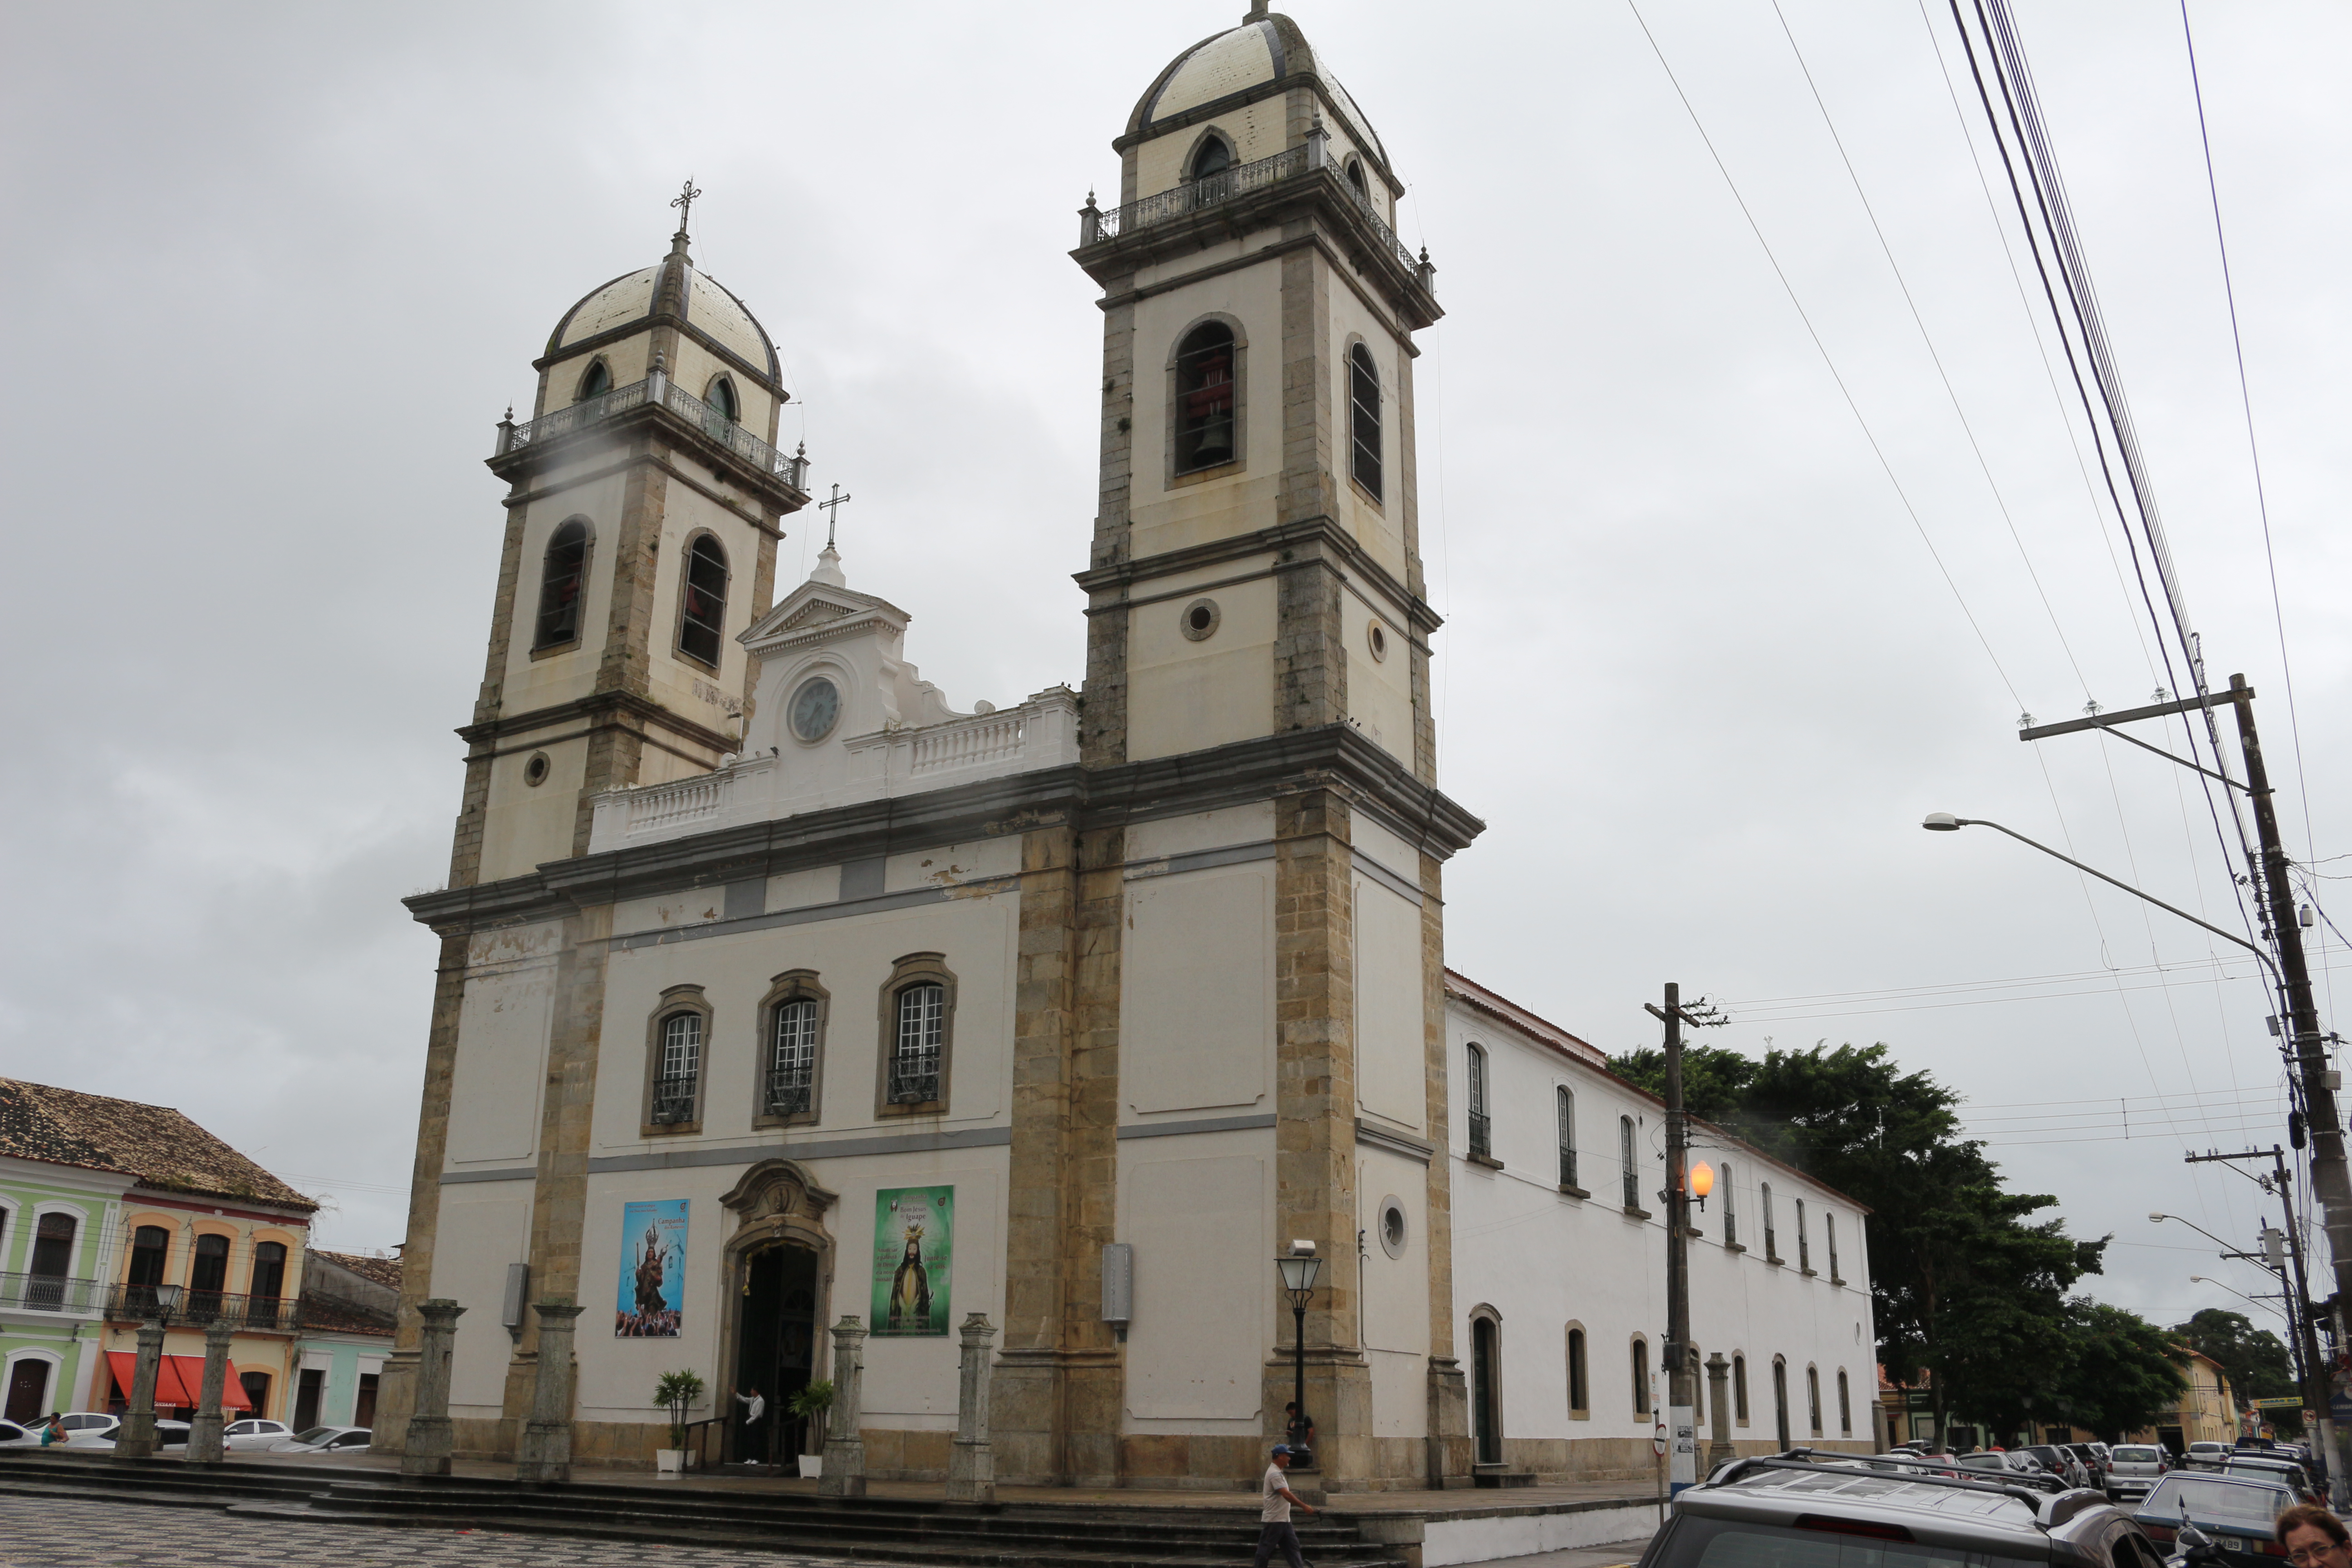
<point x="972" y="1465"/>
<point x="136" y="1439"/>
<point x="1718" y="1452"/>
<point x="545" y="1456"/>
<point x="427" y="1451"/>
<point x="844" y="1449"/>
<point x="205" y="1432"/>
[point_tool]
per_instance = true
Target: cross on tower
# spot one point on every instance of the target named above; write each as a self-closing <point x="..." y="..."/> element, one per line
<point x="831" y="516"/>
<point x="684" y="202"/>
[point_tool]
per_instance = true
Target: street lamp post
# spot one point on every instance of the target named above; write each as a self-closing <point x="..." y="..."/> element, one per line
<point x="1298" y="1269"/>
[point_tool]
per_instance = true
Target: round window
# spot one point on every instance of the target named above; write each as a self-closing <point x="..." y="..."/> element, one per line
<point x="1378" y="637"/>
<point x="815" y="709"/>
<point x="534" y="771"/>
<point x="1392" y="1227"/>
<point x="1200" y="619"/>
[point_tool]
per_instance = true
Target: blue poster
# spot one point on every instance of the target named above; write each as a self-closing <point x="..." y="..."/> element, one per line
<point x="653" y="1270"/>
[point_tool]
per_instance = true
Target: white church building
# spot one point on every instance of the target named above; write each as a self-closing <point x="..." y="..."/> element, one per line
<point x="776" y="990"/>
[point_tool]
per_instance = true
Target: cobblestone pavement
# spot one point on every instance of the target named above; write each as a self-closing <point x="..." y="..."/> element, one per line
<point x="42" y="1533"/>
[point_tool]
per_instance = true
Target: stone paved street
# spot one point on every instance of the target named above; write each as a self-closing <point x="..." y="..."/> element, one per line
<point x="40" y="1532"/>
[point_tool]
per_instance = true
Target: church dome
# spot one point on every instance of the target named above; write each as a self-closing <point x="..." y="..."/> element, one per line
<point x="709" y="307"/>
<point x="1265" y="55"/>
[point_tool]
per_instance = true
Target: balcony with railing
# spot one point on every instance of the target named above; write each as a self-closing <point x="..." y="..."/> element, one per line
<point x="136" y="1304"/>
<point x="673" y="1100"/>
<point x="50" y="1293"/>
<point x="1096" y="224"/>
<point x="659" y="391"/>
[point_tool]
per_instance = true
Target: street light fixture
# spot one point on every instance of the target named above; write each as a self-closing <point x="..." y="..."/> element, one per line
<point x="2241" y="1295"/>
<point x="2157" y="1217"/>
<point x="1298" y="1269"/>
<point x="1702" y="1182"/>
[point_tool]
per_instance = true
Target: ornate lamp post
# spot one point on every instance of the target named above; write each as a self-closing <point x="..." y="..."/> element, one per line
<point x="1298" y="1267"/>
<point x="156" y="1303"/>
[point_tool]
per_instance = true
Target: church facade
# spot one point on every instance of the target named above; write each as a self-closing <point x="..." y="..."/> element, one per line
<point x="776" y="990"/>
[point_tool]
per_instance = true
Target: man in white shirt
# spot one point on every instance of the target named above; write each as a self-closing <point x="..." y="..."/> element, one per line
<point x="754" y="1446"/>
<point x="1276" y="1500"/>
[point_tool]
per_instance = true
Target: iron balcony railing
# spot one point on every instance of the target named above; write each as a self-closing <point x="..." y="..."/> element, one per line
<point x="138" y="1302"/>
<point x="914" y="1085"/>
<point x="49" y="1293"/>
<point x="1567" y="1166"/>
<point x="1482" y="1134"/>
<point x="788" y="1093"/>
<point x="658" y="389"/>
<point x="1227" y="185"/>
<point x="673" y="1100"/>
<point x="1632" y="1190"/>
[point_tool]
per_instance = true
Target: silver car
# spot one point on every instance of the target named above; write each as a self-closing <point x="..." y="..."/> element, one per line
<point x="324" y="1440"/>
<point x="254" y="1433"/>
<point x="2134" y="1468"/>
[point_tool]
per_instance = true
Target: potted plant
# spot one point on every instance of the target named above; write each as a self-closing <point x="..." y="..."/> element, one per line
<point x="679" y="1391"/>
<point x="810" y="1404"/>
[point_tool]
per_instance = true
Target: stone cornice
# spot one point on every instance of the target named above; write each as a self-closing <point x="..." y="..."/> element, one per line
<point x="1335" y="757"/>
<point x="678" y="435"/>
<point x="597" y="706"/>
<point x="1116" y="577"/>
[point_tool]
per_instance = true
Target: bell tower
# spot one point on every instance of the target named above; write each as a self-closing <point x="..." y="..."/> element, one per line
<point x="646" y="496"/>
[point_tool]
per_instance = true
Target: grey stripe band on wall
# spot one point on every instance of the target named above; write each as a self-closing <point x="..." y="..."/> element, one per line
<point x="746" y="1154"/>
<point x="1205" y="1124"/>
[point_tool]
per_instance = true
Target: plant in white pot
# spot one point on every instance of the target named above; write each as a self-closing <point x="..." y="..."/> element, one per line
<point x="810" y="1404"/>
<point x="679" y="1392"/>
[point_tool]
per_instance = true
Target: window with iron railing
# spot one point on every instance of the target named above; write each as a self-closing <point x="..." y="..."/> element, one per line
<point x="1828" y="1234"/>
<point x="1565" y="1109"/>
<point x="791" y="1064"/>
<point x="1804" y="1243"/>
<point x="1632" y="1176"/>
<point x="677" y="1075"/>
<point x="1730" y="1211"/>
<point x="1481" y="1129"/>
<point x="915" y="1054"/>
<point x="1771" y="1242"/>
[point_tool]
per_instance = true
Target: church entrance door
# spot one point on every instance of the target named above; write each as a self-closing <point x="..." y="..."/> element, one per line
<point x="775" y="1349"/>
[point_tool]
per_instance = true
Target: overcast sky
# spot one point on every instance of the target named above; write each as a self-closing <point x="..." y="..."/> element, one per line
<point x="275" y="270"/>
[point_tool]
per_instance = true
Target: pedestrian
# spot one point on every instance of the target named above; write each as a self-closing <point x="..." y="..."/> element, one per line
<point x="1274" y="1514"/>
<point x="53" y="1430"/>
<point x="2313" y="1537"/>
<point x="754" y="1446"/>
<point x="1298" y="1430"/>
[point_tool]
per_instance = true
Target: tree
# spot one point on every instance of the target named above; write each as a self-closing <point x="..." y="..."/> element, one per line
<point x="2254" y="1360"/>
<point x="1966" y="1288"/>
<point x="2122" y="1373"/>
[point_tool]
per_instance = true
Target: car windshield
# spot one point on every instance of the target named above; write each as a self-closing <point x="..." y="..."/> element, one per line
<point x="2201" y="1496"/>
<point x="2132" y="1455"/>
<point x="1691" y="1542"/>
<point x="315" y="1435"/>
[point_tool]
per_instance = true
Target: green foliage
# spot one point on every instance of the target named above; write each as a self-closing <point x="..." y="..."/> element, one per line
<point x="679" y="1391"/>
<point x="2122" y="1372"/>
<point x="813" y="1399"/>
<point x="2255" y="1361"/>
<point x="1966" y="1288"/>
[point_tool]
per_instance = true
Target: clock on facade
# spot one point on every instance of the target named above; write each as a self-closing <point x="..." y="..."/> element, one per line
<point x="815" y="707"/>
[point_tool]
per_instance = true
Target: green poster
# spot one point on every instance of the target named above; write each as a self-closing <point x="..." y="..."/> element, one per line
<point x="914" y="1246"/>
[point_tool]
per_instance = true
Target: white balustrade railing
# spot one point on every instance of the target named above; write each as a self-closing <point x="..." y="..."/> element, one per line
<point x="966" y="742"/>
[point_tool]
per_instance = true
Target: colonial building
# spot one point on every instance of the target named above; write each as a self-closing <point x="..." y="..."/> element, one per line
<point x="102" y="1201"/>
<point x="776" y="990"/>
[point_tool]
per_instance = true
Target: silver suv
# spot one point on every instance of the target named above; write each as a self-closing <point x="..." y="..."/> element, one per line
<point x="2134" y="1468"/>
<point x="1791" y="1512"/>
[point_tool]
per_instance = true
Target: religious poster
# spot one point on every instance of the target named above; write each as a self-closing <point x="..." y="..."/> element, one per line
<point x="653" y="1270"/>
<point x="914" y="1244"/>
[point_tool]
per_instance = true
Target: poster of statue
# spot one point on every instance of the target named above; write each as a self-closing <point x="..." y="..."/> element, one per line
<point x="914" y="1246"/>
<point x="653" y="1270"/>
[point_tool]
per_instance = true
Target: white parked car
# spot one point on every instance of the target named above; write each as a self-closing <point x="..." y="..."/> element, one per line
<point x="13" y="1435"/>
<point x="168" y="1435"/>
<point x="324" y="1440"/>
<point x="254" y="1433"/>
<point x="84" y="1427"/>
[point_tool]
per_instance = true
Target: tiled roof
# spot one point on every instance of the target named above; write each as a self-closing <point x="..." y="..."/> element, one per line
<point x="153" y="1143"/>
<point x="383" y="1271"/>
<point x="326" y="1317"/>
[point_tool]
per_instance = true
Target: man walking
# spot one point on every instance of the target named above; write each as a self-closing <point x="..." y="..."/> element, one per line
<point x="1275" y="1529"/>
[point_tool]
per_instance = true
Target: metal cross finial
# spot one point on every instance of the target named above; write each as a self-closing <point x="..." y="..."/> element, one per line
<point x="831" y="515"/>
<point x="684" y="202"/>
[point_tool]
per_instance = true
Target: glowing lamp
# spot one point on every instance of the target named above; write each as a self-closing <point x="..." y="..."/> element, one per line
<point x="1702" y="1182"/>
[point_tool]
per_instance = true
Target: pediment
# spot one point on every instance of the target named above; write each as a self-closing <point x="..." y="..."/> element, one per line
<point x="819" y="611"/>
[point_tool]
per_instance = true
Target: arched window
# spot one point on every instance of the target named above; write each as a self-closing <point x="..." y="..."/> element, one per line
<point x="149" y="1246"/>
<point x="256" y="1390"/>
<point x="1728" y="1188"/>
<point x="53" y="1241"/>
<point x="915" y="1051"/>
<point x="562" y="580"/>
<point x="1739" y="1389"/>
<point x="1828" y="1234"/>
<point x="1632" y="1176"/>
<point x="1486" y="1386"/>
<point x="1845" y="1406"/>
<point x="1804" y="1242"/>
<point x="1580" y="1387"/>
<point x="677" y="1075"/>
<point x="1565" y="1109"/>
<point x="1771" y="1242"/>
<point x="1813" y="1399"/>
<point x="1364" y="400"/>
<point x="268" y="1269"/>
<point x="792" y="1060"/>
<point x="1214" y="156"/>
<point x="1640" y="1377"/>
<point x="1780" y="1400"/>
<point x="1482" y="1130"/>
<point x="702" y="601"/>
<point x="209" y="1276"/>
<point x="1205" y="387"/>
<point x="1355" y="178"/>
<point x="722" y="398"/>
<point x="595" y="383"/>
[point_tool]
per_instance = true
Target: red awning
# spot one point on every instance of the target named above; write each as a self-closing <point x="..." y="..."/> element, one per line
<point x="179" y="1381"/>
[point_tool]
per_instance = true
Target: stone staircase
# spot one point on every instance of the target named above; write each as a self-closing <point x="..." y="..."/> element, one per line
<point x="1006" y="1535"/>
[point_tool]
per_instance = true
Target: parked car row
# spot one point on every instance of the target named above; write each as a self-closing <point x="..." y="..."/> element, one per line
<point x="90" y="1430"/>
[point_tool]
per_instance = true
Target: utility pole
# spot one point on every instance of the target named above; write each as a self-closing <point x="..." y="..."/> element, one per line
<point x="2311" y="1372"/>
<point x="1681" y="1373"/>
